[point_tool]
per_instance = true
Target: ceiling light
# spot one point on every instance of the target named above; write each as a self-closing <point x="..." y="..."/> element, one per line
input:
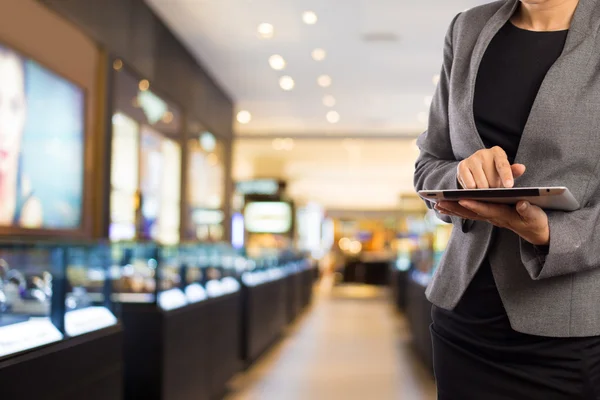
<point x="333" y="117"/>
<point x="265" y="31"/>
<point x="423" y="117"/>
<point x="427" y="100"/>
<point x="436" y="79"/>
<point x="324" y="81"/>
<point x="144" y="85"/>
<point x="319" y="54"/>
<point x="117" y="64"/>
<point x="309" y="17"/>
<point x="329" y="101"/>
<point x="286" y="83"/>
<point x="244" y="117"/>
<point x="277" y="62"/>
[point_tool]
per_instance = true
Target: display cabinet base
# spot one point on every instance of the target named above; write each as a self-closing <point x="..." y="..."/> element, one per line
<point x="86" y="367"/>
<point x="418" y="313"/>
<point x="398" y="288"/>
<point x="165" y="352"/>
<point x="185" y="354"/>
<point x="223" y="329"/>
<point x="264" y="316"/>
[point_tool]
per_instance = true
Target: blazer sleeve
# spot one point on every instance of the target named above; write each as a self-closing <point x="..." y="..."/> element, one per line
<point x="574" y="243"/>
<point x="436" y="166"/>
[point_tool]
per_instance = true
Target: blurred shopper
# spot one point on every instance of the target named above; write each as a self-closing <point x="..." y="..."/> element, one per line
<point x="18" y="207"/>
<point x="517" y="295"/>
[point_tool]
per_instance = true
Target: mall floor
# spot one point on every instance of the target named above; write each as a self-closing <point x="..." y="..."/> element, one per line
<point x="351" y="345"/>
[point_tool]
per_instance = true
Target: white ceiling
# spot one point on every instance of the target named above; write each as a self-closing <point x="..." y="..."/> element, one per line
<point x="380" y="87"/>
<point x="358" y="174"/>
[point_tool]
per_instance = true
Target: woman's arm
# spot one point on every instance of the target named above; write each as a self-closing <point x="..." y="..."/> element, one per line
<point x="436" y="165"/>
<point x="574" y="243"/>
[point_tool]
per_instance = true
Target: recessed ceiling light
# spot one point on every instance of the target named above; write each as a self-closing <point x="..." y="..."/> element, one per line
<point x="309" y="17"/>
<point x="286" y="83"/>
<point x="329" y="101"/>
<point x="117" y="64"/>
<point x="265" y="31"/>
<point x="144" y="85"/>
<point x="427" y="100"/>
<point x="423" y="117"/>
<point x="436" y="79"/>
<point x="324" y="81"/>
<point x="318" y="54"/>
<point x="333" y="117"/>
<point x="277" y="62"/>
<point x="244" y="117"/>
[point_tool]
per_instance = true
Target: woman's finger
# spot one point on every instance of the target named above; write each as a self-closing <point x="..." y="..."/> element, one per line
<point x="465" y="177"/>
<point x="503" y="167"/>
<point x="480" y="177"/>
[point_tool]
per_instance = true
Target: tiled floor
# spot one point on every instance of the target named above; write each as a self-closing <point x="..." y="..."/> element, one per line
<point x="349" y="346"/>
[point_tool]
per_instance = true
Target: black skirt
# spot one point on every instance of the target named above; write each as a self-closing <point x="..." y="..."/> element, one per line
<point x="478" y="356"/>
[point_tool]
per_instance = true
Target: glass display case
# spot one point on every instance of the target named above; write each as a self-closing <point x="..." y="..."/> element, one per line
<point x="173" y="276"/>
<point x="51" y="291"/>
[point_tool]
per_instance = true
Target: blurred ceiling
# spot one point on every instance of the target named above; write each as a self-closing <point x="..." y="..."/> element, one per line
<point x="339" y="174"/>
<point x="381" y="55"/>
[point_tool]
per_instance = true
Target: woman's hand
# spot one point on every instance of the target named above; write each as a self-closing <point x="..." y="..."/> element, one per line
<point x="488" y="168"/>
<point x="526" y="220"/>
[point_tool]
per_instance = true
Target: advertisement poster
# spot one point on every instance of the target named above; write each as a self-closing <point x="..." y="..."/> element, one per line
<point x="41" y="146"/>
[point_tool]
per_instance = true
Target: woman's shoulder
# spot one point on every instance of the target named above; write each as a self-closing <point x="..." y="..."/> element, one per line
<point x="477" y="17"/>
<point x="468" y="25"/>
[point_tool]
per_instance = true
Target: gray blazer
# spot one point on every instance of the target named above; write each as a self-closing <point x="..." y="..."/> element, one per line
<point x="557" y="294"/>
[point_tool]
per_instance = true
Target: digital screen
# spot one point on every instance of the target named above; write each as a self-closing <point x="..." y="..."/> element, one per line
<point x="42" y="118"/>
<point x="268" y="217"/>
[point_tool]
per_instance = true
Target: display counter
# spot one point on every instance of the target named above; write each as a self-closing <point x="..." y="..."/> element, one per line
<point x="369" y="272"/>
<point x="56" y="324"/>
<point x="398" y="287"/>
<point x="264" y="311"/>
<point x="181" y="336"/>
<point x="418" y="313"/>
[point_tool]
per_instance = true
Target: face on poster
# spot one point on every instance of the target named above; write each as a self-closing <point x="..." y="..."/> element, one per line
<point x="41" y="146"/>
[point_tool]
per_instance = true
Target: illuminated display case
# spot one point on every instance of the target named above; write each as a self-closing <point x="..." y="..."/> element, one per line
<point x="205" y="185"/>
<point x="50" y="292"/>
<point x="145" y="163"/>
<point x="173" y="276"/>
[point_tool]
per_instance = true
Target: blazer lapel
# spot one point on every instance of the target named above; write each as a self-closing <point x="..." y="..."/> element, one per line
<point x="498" y="20"/>
<point x="557" y="83"/>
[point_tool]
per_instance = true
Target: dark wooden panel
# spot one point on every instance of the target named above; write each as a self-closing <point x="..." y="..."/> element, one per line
<point x="185" y="359"/>
<point x="88" y="365"/>
<point x="106" y="21"/>
<point x="142" y="39"/>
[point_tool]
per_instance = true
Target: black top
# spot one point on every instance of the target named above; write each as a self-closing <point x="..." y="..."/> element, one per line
<point x="509" y="78"/>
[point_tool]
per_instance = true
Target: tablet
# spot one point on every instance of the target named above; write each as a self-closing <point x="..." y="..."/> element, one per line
<point x="549" y="198"/>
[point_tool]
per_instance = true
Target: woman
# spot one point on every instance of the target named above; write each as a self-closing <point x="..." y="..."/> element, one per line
<point x="18" y="207"/>
<point x="516" y="296"/>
